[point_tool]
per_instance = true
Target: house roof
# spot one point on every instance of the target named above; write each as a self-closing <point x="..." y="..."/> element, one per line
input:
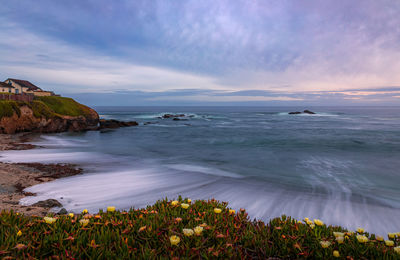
<point x="25" y="84"/>
<point x="5" y="85"/>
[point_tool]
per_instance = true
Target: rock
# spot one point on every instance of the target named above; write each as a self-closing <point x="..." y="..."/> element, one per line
<point x="150" y="123"/>
<point x="294" y="113"/>
<point x="111" y="123"/>
<point x="63" y="211"/>
<point x="173" y="116"/>
<point x="308" y="112"/>
<point x="50" y="203"/>
<point x="179" y="119"/>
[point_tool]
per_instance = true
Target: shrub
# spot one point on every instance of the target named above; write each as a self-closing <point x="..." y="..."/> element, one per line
<point x="8" y="107"/>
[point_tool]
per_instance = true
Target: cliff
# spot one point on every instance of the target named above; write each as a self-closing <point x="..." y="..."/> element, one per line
<point x="46" y="115"/>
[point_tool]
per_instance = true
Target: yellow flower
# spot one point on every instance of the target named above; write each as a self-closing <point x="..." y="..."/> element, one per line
<point x="71" y="215"/>
<point x="340" y="240"/>
<point x="392" y="235"/>
<point x="198" y="230"/>
<point x="309" y="222"/>
<point x="312" y="226"/>
<point x="338" y="234"/>
<point x="84" y="222"/>
<point x="174" y="240"/>
<point x="362" y="239"/>
<point x="389" y="243"/>
<point x="184" y="205"/>
<point x="306" y="220"/>
<point x="349" y="233"/>
<point x="19" y="233"/>
<point x="318" y="222"/>
<point x="142" y="228"/>
<point x="397" y="249"/>
<point x="299" y="222"/>
<point x="49" y="220"/>
<point x="325" y="244"/>
<point x="110" y="209"/>
<point x="188" y="232"/>
<point x="174" y="203"/>
<point x="336" y="253"/>
<point x="360" y="230"/>
<point x="217" y="210"/>
<point x="189" y="200"/>
<point x="232" y="211"/>
<point x="379" y="238"/>
<point x="85" y="211"/>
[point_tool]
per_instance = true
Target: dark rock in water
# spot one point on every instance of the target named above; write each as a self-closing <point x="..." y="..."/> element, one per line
<point x="50" y="203"/>
<point x="115" y="123"/>
<point x="150" y="123"/>
<point x="173" y="116"/>
<point x="179" y="119"/>
<point x="63" y="211"/>
<point x="308" y="112"/>
<point x="294" y="113"/>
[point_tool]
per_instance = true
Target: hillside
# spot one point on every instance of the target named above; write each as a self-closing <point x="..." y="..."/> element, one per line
<point x="46" y="114"/>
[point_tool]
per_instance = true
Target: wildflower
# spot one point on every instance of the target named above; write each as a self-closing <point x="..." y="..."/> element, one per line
<point x="174" y="203"/>
<point x="318" y="222"/>
<point x="309" y="222"/>
<point x="178" y="219"/>
<point x="174" y="240"/>
<point x="397" y="249"/>
<point x="299" y="222"/>
<point x="312" y="226"/>
<point x="389" y="243"/>
<point x="338" y="234"/>
<point x="142" y="228"/>
<point x="71" y="215"/>
<point x="336" y="253"/>
<point x="20" y="246"/>
<point x="49" y="220"/>
<point x="110" y="209"/>
<point x="325" y="244"/>
<point x="379" y="238"/>
<point x="188" y="232"/>
<point x="220" y="236"/>
<point x="97" y="217"/>
<point x="392" y="235"/>
<point x="360" y="230"/>
<point x="340" y="240"/>
<point x="203" y="225"/>
<point x="19" y="233"/>
<point x="217" y="210"/>
<point x="85" y="211"/>
<point x="84" y="222"/>
<point x="189" y="200"/>
<point x="198" y="230"/>
<point x="184" y="205"/>
<point x="362" y="239"/>
<point x="306" y="220"/>
<point x="232" y="211"/>
<point x="87" y="216"/>
<point x="349" y="233"/>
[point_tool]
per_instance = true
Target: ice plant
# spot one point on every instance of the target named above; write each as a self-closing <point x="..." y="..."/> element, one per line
<point x="198" y="230"/>
<point x="338" y="234"/>
<point x="174" y="240"/>
<point x="71" y="215"/>
<point x="84" y="222"/>
<point x="19" y="233"/>
<point x="49" y="220"/>
<point x="362" y="239"/>
<point x="325" y="244"/>
<point x="178" y="219"/>
<point x="189" y="200"/>
<point x="85" y="211"/>
<point x="312" y="225"/>
<point x="185" y="205"/>
<point x="389" y="243"/>
<point x="340" y="240"/>
<point x="111" y="209"/>
<point x="217" y="210"/>
<point x="188" y="232"/>
<point x="397" y="249"/>
<point x="318" y="222"/>
<point x="360" y="230"/>
<point x="392" y="235"/>
<point x="379" y="238"/>
<point x="232" y="211"/>
<point x="174" y="203"/>
<point x="142" y="228"/>
<point x="336" y="253"/>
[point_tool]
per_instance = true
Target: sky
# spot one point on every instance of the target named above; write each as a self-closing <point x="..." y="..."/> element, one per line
<point x="208" y="52"/>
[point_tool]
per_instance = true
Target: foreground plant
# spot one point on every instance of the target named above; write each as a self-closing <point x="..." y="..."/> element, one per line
<point x="184" y="229"/>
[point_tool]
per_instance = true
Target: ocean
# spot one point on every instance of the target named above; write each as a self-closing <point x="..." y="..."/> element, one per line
<point x="341" y="165"/>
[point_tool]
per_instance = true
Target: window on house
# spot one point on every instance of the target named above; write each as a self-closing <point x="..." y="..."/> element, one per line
<point x="17" y="91"/>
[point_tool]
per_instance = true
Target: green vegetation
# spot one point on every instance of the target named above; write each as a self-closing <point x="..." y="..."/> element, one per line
<point x="64" y="106"/>
<point x="184" y="229"/>
<point x="40" y="109"/>
<point x="8" y="107"/>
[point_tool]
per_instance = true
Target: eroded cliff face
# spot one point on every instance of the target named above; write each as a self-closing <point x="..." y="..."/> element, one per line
<point x="27" y="122"/>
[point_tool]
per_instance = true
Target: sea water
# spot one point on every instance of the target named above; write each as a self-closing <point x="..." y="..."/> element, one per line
<point x="341" y="165"/>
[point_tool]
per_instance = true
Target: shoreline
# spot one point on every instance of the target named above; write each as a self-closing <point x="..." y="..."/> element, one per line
<point x="15" y="177"/>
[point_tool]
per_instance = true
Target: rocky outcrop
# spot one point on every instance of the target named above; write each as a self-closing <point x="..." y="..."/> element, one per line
<point x="304" y="112"/>
<point x="173" y="115"/>
<point x="26" y="121"/>
<point x="104" y="124"/>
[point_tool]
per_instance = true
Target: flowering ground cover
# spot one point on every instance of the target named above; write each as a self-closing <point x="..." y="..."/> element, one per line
<point x="184" y="229"/>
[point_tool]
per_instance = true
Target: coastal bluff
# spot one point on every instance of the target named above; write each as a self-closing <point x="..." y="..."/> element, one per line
<point x="46" y="115"/>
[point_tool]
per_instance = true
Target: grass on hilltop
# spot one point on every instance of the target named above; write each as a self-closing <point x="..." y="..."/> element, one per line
<point x="8" y="107"/>
<point x="64" y="106"/>
<point x="182" y="229"/>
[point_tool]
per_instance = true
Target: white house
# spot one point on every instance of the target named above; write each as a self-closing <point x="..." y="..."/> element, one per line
<point x="23" y="86"/>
